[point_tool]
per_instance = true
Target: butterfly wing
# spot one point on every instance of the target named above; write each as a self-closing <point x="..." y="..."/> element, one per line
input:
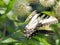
<point x="38" y="20"/>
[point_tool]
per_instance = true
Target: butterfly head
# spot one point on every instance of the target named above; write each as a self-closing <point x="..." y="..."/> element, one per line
<point x="29" y="32"/>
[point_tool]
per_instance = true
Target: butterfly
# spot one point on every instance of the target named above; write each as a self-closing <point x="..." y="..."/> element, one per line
<point x="38" y="20"/>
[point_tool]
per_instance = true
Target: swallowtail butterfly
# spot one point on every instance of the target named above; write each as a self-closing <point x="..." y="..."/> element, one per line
<point x="38" y="20"/>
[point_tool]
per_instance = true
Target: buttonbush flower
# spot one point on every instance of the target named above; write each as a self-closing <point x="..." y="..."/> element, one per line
<point x="22" y="8"/>
<point x="47" y="3"/>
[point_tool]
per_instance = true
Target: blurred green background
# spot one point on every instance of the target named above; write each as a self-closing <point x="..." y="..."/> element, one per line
<point x="13" y="14"/>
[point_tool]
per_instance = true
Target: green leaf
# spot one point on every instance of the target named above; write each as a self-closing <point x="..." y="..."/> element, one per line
<point x="58" y="25"/>
<point x="59" y="42"/>
<point x="55" y="28"/>
<point x="2" y="4"/>
<point x="11" y="16"/>
<point x="3" y="18"/>
<point x="50" y="13"/>
<point x="9" y="40"/>
<point x="1" y="34"/>
<point x="42" y="39"/>
<point x="10" y="5"/>
<point x="18" y="34"/>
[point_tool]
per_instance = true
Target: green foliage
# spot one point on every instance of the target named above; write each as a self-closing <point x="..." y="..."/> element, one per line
<point x="50" y="13"/>
<point x="10" y="5"/>
<point x="2" y="4"/>
<point x="9" y="40"/>
<point x="12" y="29"/>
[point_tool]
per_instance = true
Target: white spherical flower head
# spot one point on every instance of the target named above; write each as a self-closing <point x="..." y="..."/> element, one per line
<point x="47" y="3"/>
<point x="22" y="8"/>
